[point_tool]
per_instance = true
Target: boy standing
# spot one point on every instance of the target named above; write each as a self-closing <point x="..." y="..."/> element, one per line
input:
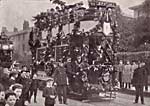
<point x="17" y="89"/>
<point x="10" y="98"/>
<point x="2" y="95"/>
<point x="49" y="93"/>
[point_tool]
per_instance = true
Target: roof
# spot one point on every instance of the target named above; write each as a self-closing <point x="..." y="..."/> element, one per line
<point x="11" y="34"/>
<point x="137" y="7"/>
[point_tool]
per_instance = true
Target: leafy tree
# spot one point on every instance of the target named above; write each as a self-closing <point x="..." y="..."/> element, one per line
<point x="142" y="27"/>
<point x="125" y="29"/>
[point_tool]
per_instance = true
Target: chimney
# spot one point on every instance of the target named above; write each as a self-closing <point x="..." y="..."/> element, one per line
<point x="4" y="29"/>
<point x="25" y="25"/>
<point x="15" y="29"/>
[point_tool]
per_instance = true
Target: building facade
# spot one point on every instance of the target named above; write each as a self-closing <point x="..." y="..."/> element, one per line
<point x="21" y="48"/>
<point x="138" y="10"/>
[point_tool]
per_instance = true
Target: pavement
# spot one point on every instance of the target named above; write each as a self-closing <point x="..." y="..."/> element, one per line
<point x="131" y="91"/>
<point x="120" y="100"/>
<point x="133" y="88"/>
<point x="40" y="102"/>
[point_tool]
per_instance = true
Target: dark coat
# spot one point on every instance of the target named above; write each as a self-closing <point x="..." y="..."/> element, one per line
<point x="50" y="69"/>
<point x="69" y="69"/>
<point x="47" y="92"/>
<point x="19" y="102"/>
<point x="12" y="81"/>
<point x="60" y="76"/>
<point x="5" y="81"/>
<point x="2" y="103"/>
<point x="26" y="87"/>
<point x="139" y="76"/>
<point x="19" y="79"/>
<point x="1" y="75"/>
<point x="34" y="84"/>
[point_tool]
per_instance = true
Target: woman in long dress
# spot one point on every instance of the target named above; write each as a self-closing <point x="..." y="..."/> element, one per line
<point x="127" y="75"/>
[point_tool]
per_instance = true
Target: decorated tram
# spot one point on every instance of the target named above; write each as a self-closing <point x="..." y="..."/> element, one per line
<point x="88" y="53"/>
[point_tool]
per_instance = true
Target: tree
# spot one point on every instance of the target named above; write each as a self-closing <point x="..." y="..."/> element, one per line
<point x="15" y="29"/>
<point x="142" y="27"/>
<point x="125" y="29"/>
<point x="146" y="8"/>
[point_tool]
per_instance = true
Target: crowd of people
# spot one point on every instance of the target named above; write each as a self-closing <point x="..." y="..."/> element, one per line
<point x="136" y="75"/>
<point x="18" y="85"/>
<point x="126" y="71"/>
<point x="68" y="76"/>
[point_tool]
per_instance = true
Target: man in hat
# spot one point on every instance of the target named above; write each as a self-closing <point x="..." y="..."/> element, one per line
<point x="60" y="77"/>
<point x="139" y="81"/>
<point x="70" y="73"/>
<point x="26" y="82"/>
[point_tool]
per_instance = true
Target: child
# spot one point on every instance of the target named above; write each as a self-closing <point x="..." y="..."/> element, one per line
<point x="2" y="95"/>
<point x="17" y="89"/>
<point x="49" y="93"/>
<point x="34" y="87"/>
<point x="10" y="98"/>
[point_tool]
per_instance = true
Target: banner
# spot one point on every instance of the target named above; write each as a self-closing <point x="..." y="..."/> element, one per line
<point x="98" y="3"/>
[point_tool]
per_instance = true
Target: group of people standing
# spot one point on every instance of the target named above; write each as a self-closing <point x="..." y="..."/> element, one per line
<point x="18" y="85"/>
<point x="26" y="82"/>
<point x="125" y="73"/>
<point x="136" y="75"/>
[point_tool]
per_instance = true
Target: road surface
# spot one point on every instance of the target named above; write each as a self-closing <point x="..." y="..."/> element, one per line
<point x="120" y="100"/>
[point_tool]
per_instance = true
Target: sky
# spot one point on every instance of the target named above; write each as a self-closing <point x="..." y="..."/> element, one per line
<point x="14" y="12"/>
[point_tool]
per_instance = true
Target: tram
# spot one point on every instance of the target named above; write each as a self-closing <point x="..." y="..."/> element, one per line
<point x="90" y="54"/>
<point x="6" y="51"/>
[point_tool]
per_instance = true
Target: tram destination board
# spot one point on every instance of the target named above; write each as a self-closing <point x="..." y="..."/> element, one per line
<point x="98" y="3"/>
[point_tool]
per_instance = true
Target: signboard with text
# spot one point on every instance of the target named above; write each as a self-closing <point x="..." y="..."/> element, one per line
<point x="98" y="3"/>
